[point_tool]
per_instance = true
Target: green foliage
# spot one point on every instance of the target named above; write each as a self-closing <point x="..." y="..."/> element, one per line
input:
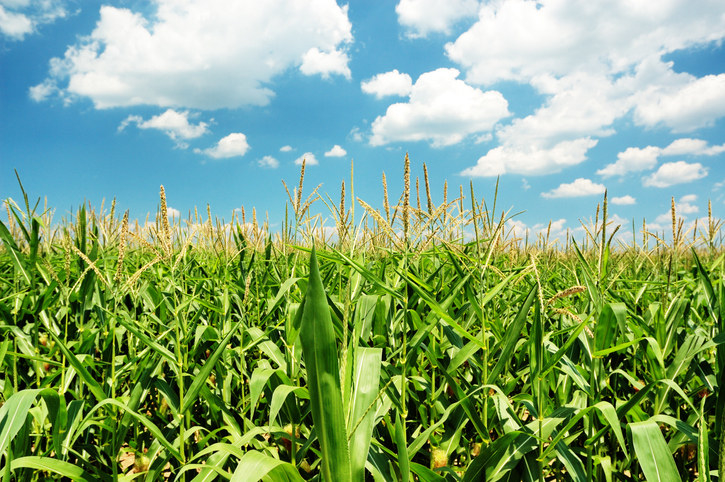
<point x="129" y="356"/>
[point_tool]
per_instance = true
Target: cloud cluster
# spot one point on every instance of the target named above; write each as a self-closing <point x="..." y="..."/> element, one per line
<point x="580" y="187"/>
<point x="421" y="17"/>
<point x="174" y="124"/>
<point x="336" y="151"/>
<point x="683" y="206"/>
<point x="309" y="158"/>
<point x="388" y="83"/>
<point x="19" y="18"/>
<point x="594" y="63"/>
<point x="441" y="109"/>
<point x="636" y="159"/>
<point x="202" y="54"/>
<point x="268" y="162"/>
<point x="521" y="40"/>
<point x="625" y="200"/>
<point x="233" y="145"/>
<point x="671" y="173"/>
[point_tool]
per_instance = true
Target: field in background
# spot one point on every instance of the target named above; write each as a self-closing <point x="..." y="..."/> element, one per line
<point x="414" y="342"/>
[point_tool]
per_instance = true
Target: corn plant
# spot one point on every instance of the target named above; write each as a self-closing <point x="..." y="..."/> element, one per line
<point x="421" y="343"/>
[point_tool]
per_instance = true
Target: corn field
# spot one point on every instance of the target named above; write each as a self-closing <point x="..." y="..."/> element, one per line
<point x="418" y="342"/>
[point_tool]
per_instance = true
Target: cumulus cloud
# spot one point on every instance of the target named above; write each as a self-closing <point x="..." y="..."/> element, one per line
<point x="14" y="25"/>
<point x="442" y="110"/>
<point x="686" y="204"/>
<point x="559" y="133"/>
<point x="580" y="187"/>
<point x="631" y="160"/>
<point x="268" y="162"/>
<point x="422" y="17"/>
<point x="21" y="18"/>
<point x="285" y="149"/>
<point x="519" y="39"/>
<point x="174" y="124"/>
<point x="336" y="151"/>
<point x="696" y="147"/>
<point x="682" y="106"/>
<point x="635" y="159"/>
<point x="308" y="157"/>
<point x="316" y="61"/>
<point x="623" y="200"/>
<point x="203" y="54"/>
<point x="530" y="159"/>
<point x="683" y="207"/>
<point x="388" y="83"/>
<point x="672" y="173"/>
<point x="233" y="145"/>
<point x="594" y="64"/>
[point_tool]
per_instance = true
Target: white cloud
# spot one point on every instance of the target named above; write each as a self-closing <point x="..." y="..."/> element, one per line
<point x="635" y="159"/>
<point x="683" y="207"/>
<point x="672" y="173"/>
<point x="442" y="109"/>
<point x="686" y="207"/>
<point x="388" y="83"/>
<point x="42" y="91"/>
<point x="173" y="213"/>
<point x="623" y="200"/>
<point x="233" y="145"/>
<point x="21" y="18"/>
<point x="580" y="187"/>
<point x="174" y="124"/>
<point x="693" y="147"/>
<point x="559" y="133"/>
<point x="356" y="134"/>
<point x="268" y="162"/>
<point x="309" y="158"/>
<point x="203" y="54"/>
<point x="594" y="63"/>
<point x="688" y="104"/>
<point x="520" y="39"/>
<point x="631" y="160"/>
<point x="530" y="159"/>
<point x="336" y="151"/>
<point x="325" y="63"/>
<point x="422" y="17"/>
<point x="285" y="149"/>
<point x="14" y="25"/>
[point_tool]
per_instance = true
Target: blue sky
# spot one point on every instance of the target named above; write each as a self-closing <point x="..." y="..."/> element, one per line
<point x="218" y="100"/>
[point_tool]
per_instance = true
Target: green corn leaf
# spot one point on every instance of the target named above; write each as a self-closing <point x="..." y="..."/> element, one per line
<point x="513" y="333"/>
<point x="64" y="469"/>
<point x="612" y="317"/>
<point x="201" y="377"/>
<point x="150" y="426"/>
<point x="13" y="414"/>
<point x="319" y="349"/>
<point x="366" y="382"/>
<point x="703" y="446"/>
<point x="255" y="466"/>
<point x="16" y="255"/>
<point x="424" y="474"/>
<point x="482" y="467"/>
<point x="80" y="368"/>
<point x="403" y="461"/>
<point x="280" y="395"/>
<point x="653" y="455"/>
